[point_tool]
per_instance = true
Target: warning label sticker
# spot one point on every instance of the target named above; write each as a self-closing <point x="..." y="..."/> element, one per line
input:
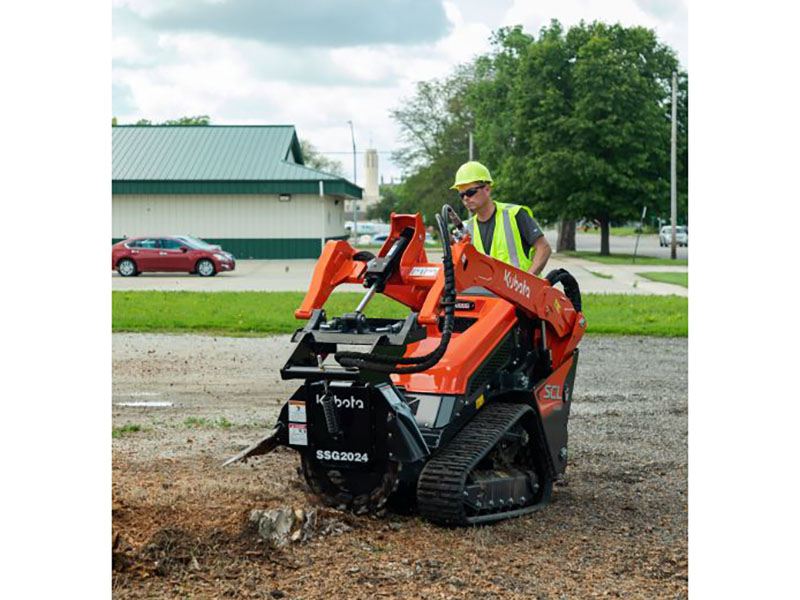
<point x="424" y="271"/>
<point x="297" y="411"/>
<point x="298" y="435"/>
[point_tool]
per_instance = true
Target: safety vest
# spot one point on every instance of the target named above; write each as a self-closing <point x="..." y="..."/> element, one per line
<point x="506" y="241"/>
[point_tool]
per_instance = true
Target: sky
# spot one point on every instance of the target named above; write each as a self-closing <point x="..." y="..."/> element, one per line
<point x="318" y="64"/>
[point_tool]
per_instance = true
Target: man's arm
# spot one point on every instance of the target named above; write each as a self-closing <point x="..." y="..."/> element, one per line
<point x="541" y="256"/>
<point x="533" y="235"/>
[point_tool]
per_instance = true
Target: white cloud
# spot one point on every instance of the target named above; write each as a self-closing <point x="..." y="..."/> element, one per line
<point x="166" y="74"/>
<point x="667" y="17"/>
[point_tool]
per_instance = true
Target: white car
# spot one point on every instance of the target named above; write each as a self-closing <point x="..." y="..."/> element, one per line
<point x="380" y="238"/>
<point x="681" y="235"/>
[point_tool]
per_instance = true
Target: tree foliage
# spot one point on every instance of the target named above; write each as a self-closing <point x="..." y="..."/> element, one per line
<point x="434" y="125"/>
<point x="189" y="121"/>
<point x="181" y="121"/>
<point x="389" y="202"/>
<point x="312" y="158"/>
<point x="585" y="128"/>
<point x="575" y="124"/>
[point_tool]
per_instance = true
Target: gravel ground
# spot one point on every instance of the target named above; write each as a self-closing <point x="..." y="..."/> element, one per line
<point x="616" y="527"/>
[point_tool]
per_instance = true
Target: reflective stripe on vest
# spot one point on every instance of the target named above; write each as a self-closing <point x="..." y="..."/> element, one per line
<point x="506" y="245"/>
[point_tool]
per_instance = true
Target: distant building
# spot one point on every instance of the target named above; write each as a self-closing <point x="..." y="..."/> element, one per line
<point x="371" y="194"/>
<point x="243" y="187"/>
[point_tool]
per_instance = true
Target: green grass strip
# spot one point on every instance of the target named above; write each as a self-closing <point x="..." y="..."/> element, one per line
<point x="624" y="314"/>
<point x="269" y="313"/>
<point x="675" y="278"/>
<point x="624" y="259"/>
<point x="601" y="275"/>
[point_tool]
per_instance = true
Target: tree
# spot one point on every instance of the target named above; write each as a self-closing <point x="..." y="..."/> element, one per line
<point x="312" y="158"/>
<point x="520" y="101"/>
<point x="434" y="126"/>
<point x="577" y="122"/>
<point x="389" y="202"/>
<point x="189" y="121"/>
<point x="620" y="123"/>
<point x="182" y="121"/>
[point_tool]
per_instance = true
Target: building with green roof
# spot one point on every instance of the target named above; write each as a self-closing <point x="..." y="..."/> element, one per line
<point x="243" y="187"/>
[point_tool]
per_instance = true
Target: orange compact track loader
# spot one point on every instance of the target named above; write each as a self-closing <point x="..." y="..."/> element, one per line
<point x="460" y="410"/>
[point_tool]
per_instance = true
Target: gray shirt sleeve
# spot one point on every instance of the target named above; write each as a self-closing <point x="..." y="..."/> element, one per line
<point x="528" y="228"/>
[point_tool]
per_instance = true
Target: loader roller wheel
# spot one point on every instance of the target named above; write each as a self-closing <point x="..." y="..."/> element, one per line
<point x="359" y="491"/>
<point x="493" y="469"/>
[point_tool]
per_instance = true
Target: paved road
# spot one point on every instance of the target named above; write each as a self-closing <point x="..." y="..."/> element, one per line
<point x="621" y="244"/>
<point x="295" y="275"/>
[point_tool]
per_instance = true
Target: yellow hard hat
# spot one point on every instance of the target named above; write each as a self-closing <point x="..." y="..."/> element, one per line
<point x="469" y="172"/>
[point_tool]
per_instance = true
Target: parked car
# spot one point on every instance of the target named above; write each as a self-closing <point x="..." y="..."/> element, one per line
<point x="169" y="253"/>
<point x="681" y="235"/>
<point x="380" y="238"/>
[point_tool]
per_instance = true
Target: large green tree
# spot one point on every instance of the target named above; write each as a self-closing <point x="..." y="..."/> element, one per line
<point x="577" y="123"/>
<point x="521" y="98"/>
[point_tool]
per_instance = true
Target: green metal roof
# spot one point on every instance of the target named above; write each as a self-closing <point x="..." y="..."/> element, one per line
<point x="223" y="158"/>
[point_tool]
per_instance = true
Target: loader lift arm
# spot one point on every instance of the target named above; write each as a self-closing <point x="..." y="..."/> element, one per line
<point x="420" y="284"/>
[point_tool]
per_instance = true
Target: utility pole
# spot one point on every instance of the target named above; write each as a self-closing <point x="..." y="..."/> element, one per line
<point x="470" y="145"/>
<point x="638" y="235"/>
<point x="674" y="163"/>
<point x="355" y="204"/>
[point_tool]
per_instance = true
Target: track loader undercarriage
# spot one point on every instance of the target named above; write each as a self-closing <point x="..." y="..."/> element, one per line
<point x="460" y="410"/>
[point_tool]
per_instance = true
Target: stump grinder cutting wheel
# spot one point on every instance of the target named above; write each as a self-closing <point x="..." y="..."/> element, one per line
<point x="460" y="409"/>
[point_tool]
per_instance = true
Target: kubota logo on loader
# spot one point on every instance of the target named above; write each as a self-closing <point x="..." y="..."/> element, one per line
<point x="351" y="402"/>
<point x="516" y="285"/>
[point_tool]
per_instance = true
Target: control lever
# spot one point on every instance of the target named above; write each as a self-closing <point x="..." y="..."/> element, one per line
<point x="460" y="231"/>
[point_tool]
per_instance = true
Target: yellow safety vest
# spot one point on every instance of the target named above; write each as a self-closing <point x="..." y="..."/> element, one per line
<point x="507" y="240"/>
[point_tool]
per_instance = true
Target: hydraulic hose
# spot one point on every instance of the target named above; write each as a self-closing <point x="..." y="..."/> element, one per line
<point x="387" y="364"/>
<point x="571" y="289"/>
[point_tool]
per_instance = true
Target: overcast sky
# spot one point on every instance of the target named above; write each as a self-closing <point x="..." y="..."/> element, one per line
<point x="316" y="64"/>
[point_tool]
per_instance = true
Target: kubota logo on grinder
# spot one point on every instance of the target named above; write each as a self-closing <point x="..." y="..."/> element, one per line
<point x="515" y="284"/>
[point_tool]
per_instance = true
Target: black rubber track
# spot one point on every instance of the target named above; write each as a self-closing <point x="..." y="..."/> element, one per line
<point x="443" y="479"/>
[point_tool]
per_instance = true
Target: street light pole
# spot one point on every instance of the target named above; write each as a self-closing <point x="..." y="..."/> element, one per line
<point x="355" y="205"/>
<point x="674" y="162"/>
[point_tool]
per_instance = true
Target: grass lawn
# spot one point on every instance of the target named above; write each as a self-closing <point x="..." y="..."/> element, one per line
<point x="676" y="278"/>
<point x="267" y="313"/>
<point x="625" y="259"/>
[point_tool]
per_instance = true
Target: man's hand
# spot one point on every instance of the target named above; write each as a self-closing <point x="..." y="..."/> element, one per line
<point x="541" y="256"/>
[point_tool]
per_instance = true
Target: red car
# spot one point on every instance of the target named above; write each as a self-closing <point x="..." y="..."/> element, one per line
<point x="169" y="253"/>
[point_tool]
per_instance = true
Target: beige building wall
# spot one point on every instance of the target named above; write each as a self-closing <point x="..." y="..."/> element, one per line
<point x="227" y="216"/>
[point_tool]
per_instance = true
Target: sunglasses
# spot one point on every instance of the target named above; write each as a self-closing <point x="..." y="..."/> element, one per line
<point x="471" y="191"/>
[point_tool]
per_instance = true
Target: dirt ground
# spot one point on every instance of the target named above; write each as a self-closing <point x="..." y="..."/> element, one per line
<point x="617" y="526"/>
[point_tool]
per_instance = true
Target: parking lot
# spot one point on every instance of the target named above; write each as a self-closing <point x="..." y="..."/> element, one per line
<point x="295" y="275"/>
